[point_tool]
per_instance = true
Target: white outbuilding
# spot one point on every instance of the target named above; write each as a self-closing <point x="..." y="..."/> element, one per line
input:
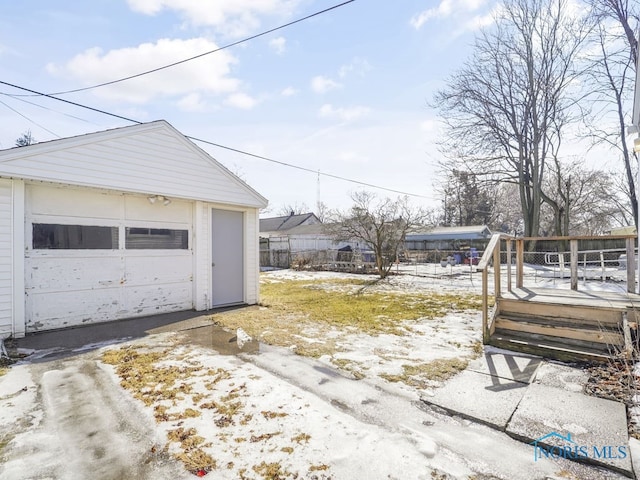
<point x="122" y="223"/>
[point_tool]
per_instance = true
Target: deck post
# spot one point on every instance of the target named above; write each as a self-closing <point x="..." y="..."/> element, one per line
<point x="488" y="256"/>
<point x="485" y="307"/>
<point x="631" y="265"/>
<point x="497" y="270"/>
<point x="519" y="262"/>
<point x="573" y="246"/>
<point x="508" y="242"/>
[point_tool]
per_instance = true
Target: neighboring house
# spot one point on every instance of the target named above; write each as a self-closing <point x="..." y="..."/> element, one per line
<point x="282" y="239"/>
<point x="270" y="226"/>
<point x="447" y="238"/>
<point x="304" y="238"/>
<point x="121" y="223"/>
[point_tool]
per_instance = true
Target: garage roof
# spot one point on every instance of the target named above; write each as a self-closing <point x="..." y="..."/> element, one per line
<point x="150" y="158"/>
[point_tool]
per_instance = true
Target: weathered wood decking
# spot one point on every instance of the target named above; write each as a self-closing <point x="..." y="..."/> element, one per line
<point x="564" y="324"/>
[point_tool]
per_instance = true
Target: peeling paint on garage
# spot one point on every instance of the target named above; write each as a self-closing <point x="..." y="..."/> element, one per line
<point x="113" y="225"/>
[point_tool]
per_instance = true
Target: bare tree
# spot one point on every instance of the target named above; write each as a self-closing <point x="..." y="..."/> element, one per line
<point x="322" y="211"/>
<point x="506" y="109"/>
<point x="381" y="224"/>
<point x="293" y="209"/>
<point x="25" y="139"/>
<point x="611" y="80"/>
<point x="508" y="214"/>
<point x="466" y="200"/>
<point x="579" y="201"/>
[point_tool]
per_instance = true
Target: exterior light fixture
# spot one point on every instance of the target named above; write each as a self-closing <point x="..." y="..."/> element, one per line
<point x="155" y="198"/>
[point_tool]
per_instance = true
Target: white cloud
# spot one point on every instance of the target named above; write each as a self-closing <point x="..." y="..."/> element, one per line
<point x="321" y="84"/>
<point x="235" y="18"/>
<point x="206" y="75"/>
<point x="345" y="114"/>
<point x="479" y="21"/>
<point x="289" y="92"/>
<point x="446" y="8"/>
<point x="192" y="103"/>
<point x="279" y="45"/>
<point x="358" y="66"/>
<point x="241" y="100"/>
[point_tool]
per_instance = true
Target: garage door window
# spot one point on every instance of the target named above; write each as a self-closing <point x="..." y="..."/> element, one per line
<point x="156" y="238"/>
<point x="74" y="237"/>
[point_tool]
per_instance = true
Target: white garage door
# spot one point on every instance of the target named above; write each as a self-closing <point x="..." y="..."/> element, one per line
<point x="6" y="258"/>
<point x="94" y="257"/>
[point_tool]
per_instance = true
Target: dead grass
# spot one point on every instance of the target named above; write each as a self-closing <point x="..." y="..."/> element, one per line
<point x="197" y="460"/>
<point x="269" y="415"/>
<point x="302" y="437"/>
<point x="149" y="382"/>
<point x="272" y="471"/>
<point x="420" y="375"/>
<point x="293" y="311"/>
<point x="159" y="378"/>
<point x="4" y="441"/>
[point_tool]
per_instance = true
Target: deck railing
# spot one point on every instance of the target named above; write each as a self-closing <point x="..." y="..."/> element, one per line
<point x="500" y="254"/>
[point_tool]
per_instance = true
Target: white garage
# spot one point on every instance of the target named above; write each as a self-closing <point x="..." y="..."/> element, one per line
<point x="122" y="223"/>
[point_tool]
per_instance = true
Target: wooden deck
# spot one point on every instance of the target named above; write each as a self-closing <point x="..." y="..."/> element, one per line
<point x="561" y="323"/>
<point x="559" y="296"/>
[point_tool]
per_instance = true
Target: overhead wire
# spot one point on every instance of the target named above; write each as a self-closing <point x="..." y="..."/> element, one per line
<point x="21" y="99"/>
<point x="29" y="119"/>
<point x="233" y="44"/>
<point x="236" y="150"/>
<point x="54" y="96"/>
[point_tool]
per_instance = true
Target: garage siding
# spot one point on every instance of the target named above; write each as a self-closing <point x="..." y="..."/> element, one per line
<point x="6" y="258"/>
<point x="252" y="261"/>
<point x="202" y="256"/>
<point x="152" y="158"/>
<point x="66" y="287"/>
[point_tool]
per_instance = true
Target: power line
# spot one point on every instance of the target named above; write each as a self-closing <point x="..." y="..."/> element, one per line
<point x="205" y="53"/>
<point x="304" y="169"/>
<point x="40" y="94"/>
<point x="17" y="97"/>
<point x="236" y="150"/>
<point x="28" y="119"/>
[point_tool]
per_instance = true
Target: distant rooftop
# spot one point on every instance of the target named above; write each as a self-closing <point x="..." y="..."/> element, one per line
<point x="287" y="222"/>
<point x="450" y="233"/>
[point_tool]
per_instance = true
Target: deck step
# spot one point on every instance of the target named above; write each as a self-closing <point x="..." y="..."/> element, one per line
<point x="549" y="347"/>
<point x="579" y="314"/>
<point x="562" y="328"/>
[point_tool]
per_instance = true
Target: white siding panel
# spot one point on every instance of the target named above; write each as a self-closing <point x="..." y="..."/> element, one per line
<point x="46" y="311"/>
<point x="6" y="257"/>
<point x="159" y="280"/>
<point x="202" y="256"/>
<point x="158" y="266"/>
<point x="252" y="263"/>
<point x="145" y="300"/>
<point x="61" y="201"/>
<point x="139" y="208"/>
<point x="55" y="273"/>
<point x="151" y="158"/>
<point x="75" y="287"/>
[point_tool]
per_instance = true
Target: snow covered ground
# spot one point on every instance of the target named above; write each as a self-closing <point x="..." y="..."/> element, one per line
<point x="265" y="415"/>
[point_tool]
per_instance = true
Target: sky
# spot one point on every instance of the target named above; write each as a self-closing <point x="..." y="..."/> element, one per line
<point x="345" y="93"/>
